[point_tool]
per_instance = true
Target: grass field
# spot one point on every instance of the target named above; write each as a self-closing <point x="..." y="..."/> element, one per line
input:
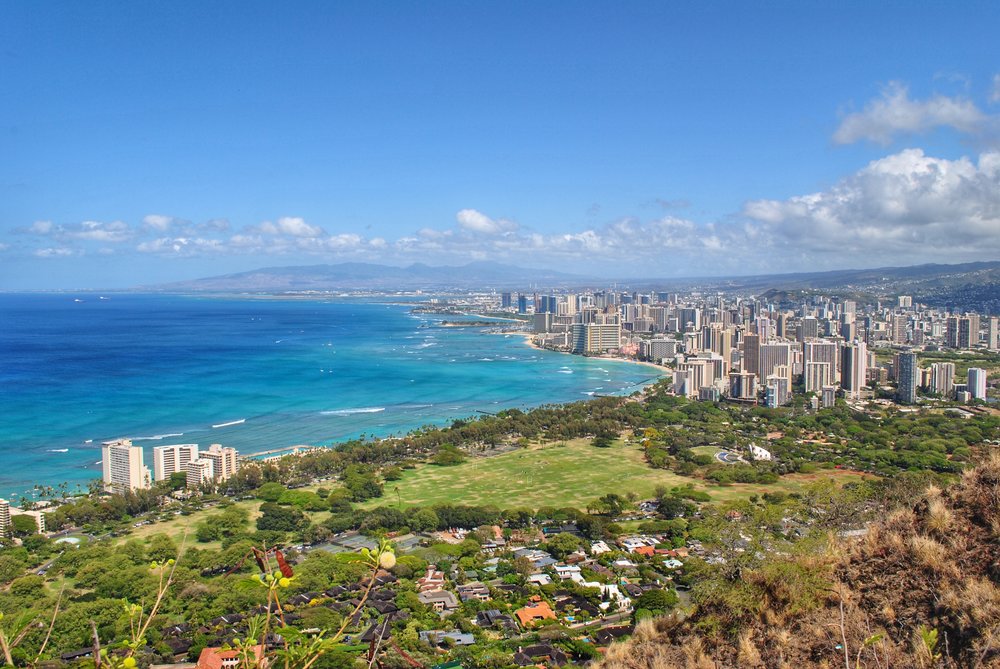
<point x="571" y="473"/>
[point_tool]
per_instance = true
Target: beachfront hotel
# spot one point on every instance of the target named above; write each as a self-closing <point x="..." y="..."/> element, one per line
<point x="214" y="465"/>
<point x="168" y="460"/>
<point x="124" y="469"/>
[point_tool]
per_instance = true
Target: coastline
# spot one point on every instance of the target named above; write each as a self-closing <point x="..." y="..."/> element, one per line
<point x="529" y="340"/>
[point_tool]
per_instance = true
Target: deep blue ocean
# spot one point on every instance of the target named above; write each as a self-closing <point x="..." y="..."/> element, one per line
<point x="77" y="369"/>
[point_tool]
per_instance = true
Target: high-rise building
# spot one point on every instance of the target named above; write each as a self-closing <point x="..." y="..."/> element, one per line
<point x="595" y="337"/>
<point x="522" y="304"/>
<point x="199" y="472"/>
<point x="942" y="378"/>
<point x="778" y="391"/>
<point x="169" y="460"/>
<point x="123" y="466"/>
<point x="225" y="461"/>
<point x="505" y="300"/>
<point x="773" y="356"/>
<point x="816" y="376"/>
<point x="993" y="333"/>
<point x="751" y="353"/>
<point x="853" y="368"/>
<point x="906" y="378"/>
<point x="742" y="386"/>
<point x="899" y="324"/>
<point x="4" y="518"/>
<point x="977" y="383"/>
<point x="823" y="351"/>
<point x="905" y="301"/>
<point x="968" y="331"/>
<point x="808" y="329"/>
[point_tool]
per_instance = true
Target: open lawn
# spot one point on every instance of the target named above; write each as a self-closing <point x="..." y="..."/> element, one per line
<point x="571" y="473"/>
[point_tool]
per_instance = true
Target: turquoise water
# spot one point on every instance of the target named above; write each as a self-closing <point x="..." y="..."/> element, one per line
<point x="165" y="369"/>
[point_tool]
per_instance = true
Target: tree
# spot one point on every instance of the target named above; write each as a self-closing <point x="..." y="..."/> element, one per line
<point x="657" y="601"/>
<point x="562" y="544"/>
<point x="279" y="518"/>
<point x="448" y="455"/>
<point x="23" y="525"/>
<point x="161" y="547"/>
<point x="270" y="492"/>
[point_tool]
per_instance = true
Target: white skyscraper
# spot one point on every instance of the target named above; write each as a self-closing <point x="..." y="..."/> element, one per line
<point x="169" y="460"/>
<point x="123" y="466"/>
<point x="977" y="383"/>
<point x="854" y="368"/>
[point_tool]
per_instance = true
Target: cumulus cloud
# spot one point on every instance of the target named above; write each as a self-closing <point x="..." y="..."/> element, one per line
<point x="476" y="221"/>
<point x="907" y="204"/>
<point x="895" y="113"/>
<point x="290" y="225"/>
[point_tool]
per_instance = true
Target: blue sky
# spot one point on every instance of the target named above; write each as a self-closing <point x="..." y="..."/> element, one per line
<point x="147" y="142"/>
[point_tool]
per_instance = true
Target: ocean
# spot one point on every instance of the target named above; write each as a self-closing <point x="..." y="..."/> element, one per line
<point x="254" y="374"/>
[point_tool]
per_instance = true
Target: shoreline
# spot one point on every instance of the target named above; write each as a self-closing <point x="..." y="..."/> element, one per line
<point x="529" y="340"/>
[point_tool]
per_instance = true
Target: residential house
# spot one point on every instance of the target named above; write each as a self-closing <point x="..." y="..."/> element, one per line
<point x="476" y="590"/>
<point x="441" y="601"/>
<point x="534" y="612"/>
<point x="432" y="580"/>
<point x="217" y="658"/>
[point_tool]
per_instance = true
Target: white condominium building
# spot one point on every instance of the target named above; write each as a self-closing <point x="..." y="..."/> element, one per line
<point x="169" y="460"/>
<point x="123" y="466"/>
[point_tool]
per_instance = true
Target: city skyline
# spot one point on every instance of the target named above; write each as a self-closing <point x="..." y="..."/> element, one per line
<point x="151" y="144"/>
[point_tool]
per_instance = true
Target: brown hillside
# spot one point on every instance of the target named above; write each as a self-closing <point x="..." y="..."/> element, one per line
<point x="922" y="589"/>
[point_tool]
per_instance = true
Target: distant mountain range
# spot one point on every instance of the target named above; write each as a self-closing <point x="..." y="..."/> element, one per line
<point x="965" y="286"/>
<point x="368" y="276"/>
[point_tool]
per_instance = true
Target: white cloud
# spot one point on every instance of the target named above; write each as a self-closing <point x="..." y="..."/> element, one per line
<point x="895" y="113"/>
<point x="182" y="246"/>
<point x="908" y="205"/>
<point x="476" y="221"/>
<point x="995" y="93"/>
<point x="40" y="228"/>
<point x="4" y="247"/>
<point x="158" y="222"/>
<point x="290" y="225"/>
<point x="55" y="252"/>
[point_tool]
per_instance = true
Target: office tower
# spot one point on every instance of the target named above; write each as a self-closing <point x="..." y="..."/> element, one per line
<point x="848" y="330"/>
<point x="522" y="304"/>
<point x="4" y="518"/>
<point x="572" y="304"/>
<point x="849" y="307"/>
<point x="853" y="368"/>
<point x="906" y="378"/>
<point x="123" y="466"/>
<point x="993" y="333"/>
<point x="977" y="383"/>
<point x="942" y="378"/>
<point x="905" y="301"/>
<point x="224" y="461"/>
<point x="751" y="353"/>
<point x="899" y="323"/>
<point x="199" y="472"/>
<point x="169" y="460"/>
<point x="505" y="300"/>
